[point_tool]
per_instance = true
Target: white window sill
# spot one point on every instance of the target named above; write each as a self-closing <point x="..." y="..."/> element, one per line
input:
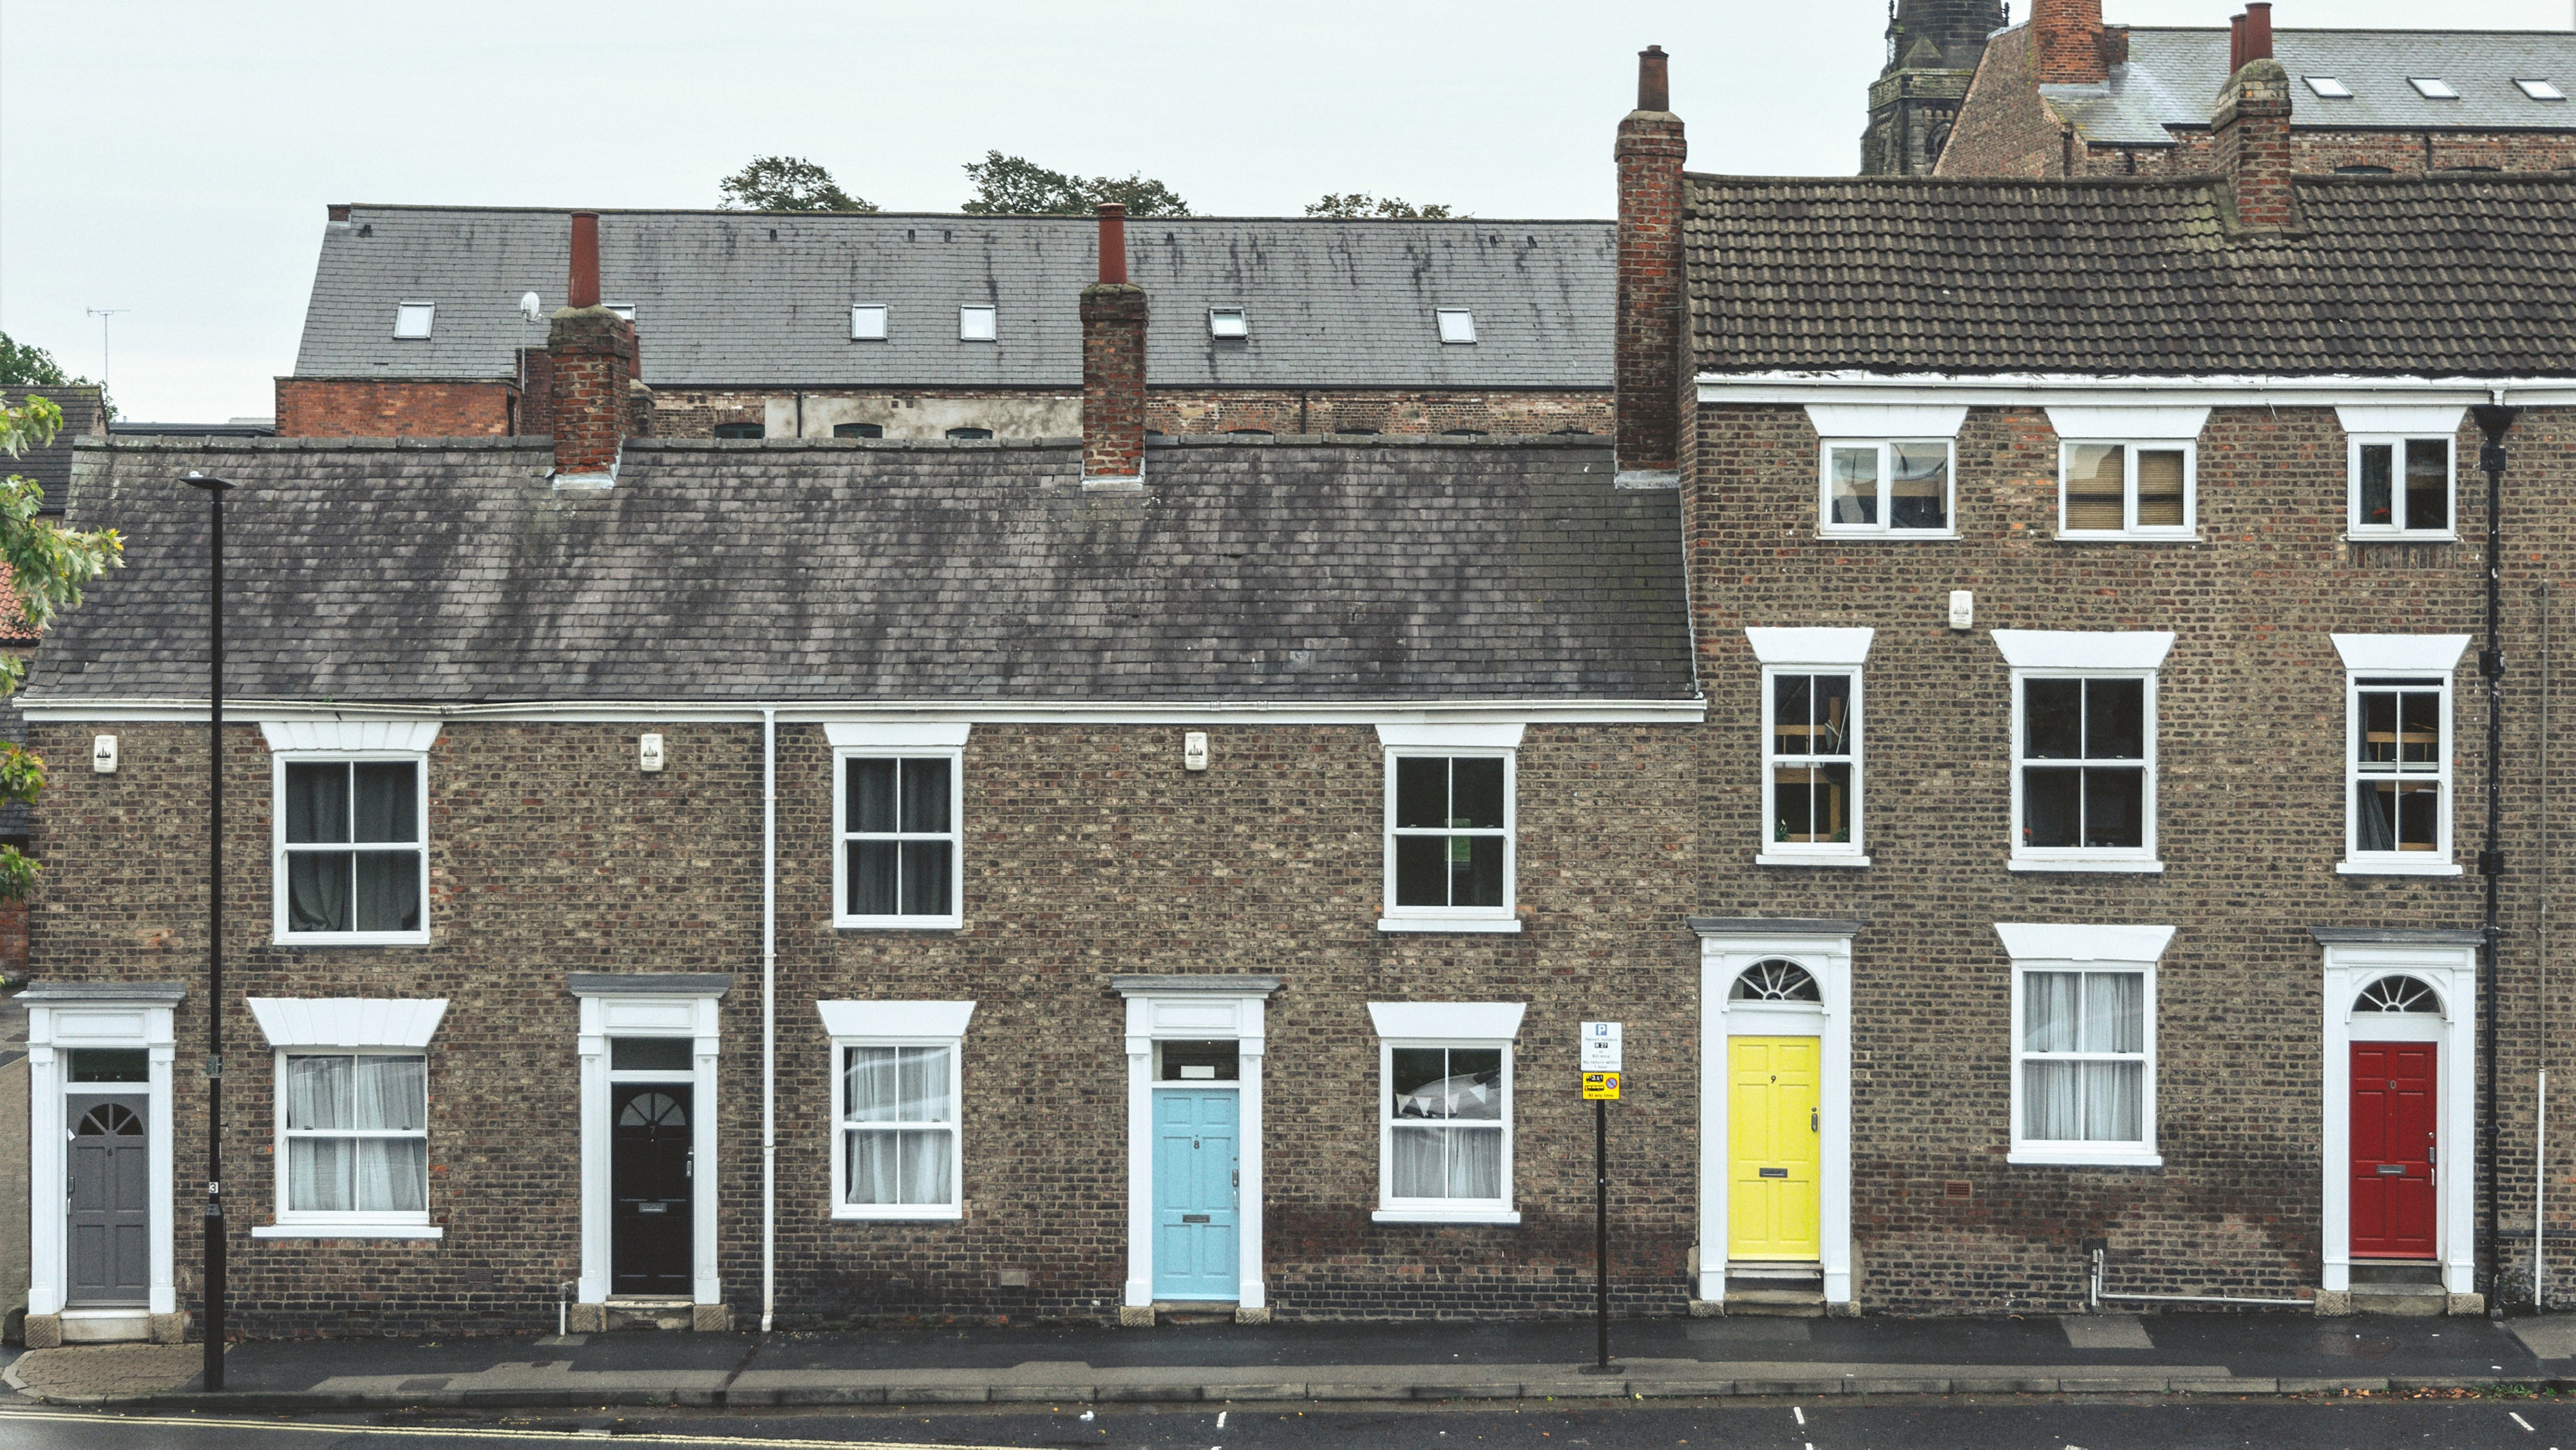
<point x="2400" y="866"/>
<point x="2085" y="1158"/>
<point x="1900" y="536"/>
<point x="2067" y="537"/>
<point x="347" y="1231"/>
<point x="1503" y="1216"/>
<point x="2130" y="865"/>
<point x="898" y="923"/>
<point x="1766" y="858"/>
<point x="881" y="1214"/>
<point x="1449" y="923"/>
<point x="350" y="939"/>
<point x="2443" y="536"/>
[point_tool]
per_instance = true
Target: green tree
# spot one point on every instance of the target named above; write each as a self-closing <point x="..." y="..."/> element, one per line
<point x="23" y="364"/>
<point x="787" y="183"/>
<point x="48" y="564"/>
<point x="1359" y="204"/>
<point x="1016" y="186"/>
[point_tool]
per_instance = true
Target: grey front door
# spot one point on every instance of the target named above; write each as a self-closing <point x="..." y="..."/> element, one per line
<point x="109" y="1202"/>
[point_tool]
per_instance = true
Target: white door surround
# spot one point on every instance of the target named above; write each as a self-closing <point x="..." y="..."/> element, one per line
<point x="648" y="1004"/>
<point x="2447" y="962"/>
<point x="1728" y="945"/>
<point x="1192" y="1008"/>
<point x="63" y="1016"/>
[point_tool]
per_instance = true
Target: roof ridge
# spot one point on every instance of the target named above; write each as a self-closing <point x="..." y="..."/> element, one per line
<point x="1073" y="221"/>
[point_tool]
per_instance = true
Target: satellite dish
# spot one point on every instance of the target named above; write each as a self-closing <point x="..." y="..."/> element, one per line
<point x="530" y="306"/>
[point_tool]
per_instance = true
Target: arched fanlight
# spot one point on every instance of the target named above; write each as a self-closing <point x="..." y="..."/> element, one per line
<point x="2397" y="994"/>
<point x="1776" y="980"/>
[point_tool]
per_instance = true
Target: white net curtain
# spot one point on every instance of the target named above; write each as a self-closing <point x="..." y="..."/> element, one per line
<point x="1448" y="1123"/>
<point x="899" y="1126"/>
<point x="2084" y="1045"/>
<point x="357" y="1134"/>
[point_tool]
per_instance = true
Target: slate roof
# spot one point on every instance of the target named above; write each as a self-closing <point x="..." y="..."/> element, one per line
<point x="51" y="464"/>
<point x="2452" y="274"/>
<point x="721" y="301"/>
<point x="2174" y="75"/>
<point x="1250" y="569"/>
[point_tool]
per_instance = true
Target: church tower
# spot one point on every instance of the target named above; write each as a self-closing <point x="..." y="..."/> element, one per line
<point x="1932" y="50"/>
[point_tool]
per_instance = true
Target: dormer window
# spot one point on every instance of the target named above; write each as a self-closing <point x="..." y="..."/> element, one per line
<point x="867" y="322"/>
<point x="1227" y="322"/>
<point x="977" y="324"/>
<point x="2540" y="90"/>
<point x="2330" y="88"/>
<point x="412" y="320"/>
<point x="1457" y="325"/>
<point x="2433" y="88"/>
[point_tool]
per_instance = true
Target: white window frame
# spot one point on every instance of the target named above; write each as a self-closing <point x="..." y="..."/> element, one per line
<point x="1475" y="1027"/>
<point x="896" y="742"/>
<point x="1229" y="322"/>
<point x="279" y="851"/>
<point x="992" y="323"/>
<point x="289" y="1216"/>
<point x="2434" y="88"/>
<point x="870" y="321"/>
<point x="2360" y="528"/>
<point x="343" y="1027"/>
<point x="2376" y="660"/>
<point x="1811" y="652"/>
<point x="898" y="1024"/>
<point x="2539" y="88"/>
<point x="1458" y="333"/>
<point x="2081" y="655"/>
<point x="428" y="312"/>
<point x="2037" y="947"/>
<point x="1458" y="741"/>
<point x="2129" y="525"/>
<point x="1886" y="527"/>
<point x="2330" y="88"/>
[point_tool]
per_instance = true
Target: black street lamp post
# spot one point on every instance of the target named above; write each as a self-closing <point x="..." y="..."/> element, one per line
<point x="214" y="1271"/>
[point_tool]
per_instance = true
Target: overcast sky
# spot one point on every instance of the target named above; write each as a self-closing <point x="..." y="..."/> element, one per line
<point x="173" y="160"/>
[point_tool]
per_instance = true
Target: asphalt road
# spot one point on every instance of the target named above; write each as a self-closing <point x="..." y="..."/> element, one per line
<point x="1956" y="1423"/>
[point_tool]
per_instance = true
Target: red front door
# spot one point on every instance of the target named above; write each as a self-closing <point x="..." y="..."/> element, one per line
<point x="2392" y="1150"/>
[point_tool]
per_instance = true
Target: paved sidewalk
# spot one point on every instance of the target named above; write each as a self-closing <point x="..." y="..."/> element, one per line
<point x="2192" y="1353"/>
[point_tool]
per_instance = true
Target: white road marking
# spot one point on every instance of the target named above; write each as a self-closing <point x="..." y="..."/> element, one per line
<point x="2519" y="1420"/>
<point x="1801" y="1414"/>
<point x="418" y="1432"/>
<point x="1220" y="1419"/>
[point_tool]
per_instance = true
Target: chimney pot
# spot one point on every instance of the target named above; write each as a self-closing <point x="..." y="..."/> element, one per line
<point x="1654" y="82"/>
<point x="583" y="290"/>
<point x="1113" y="243"/>
<point x="2258" y="31"/>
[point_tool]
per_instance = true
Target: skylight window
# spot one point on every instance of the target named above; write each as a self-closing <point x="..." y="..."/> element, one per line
<point x="622" y="309"/>
<point x="1227" y="322"/>
<point x="976" y="324"/>
<point x="1457" y="324"/>
<point x="2540" y="90"/>
<point x="2433" y="88"/>
<point x="412" y="319"/>
<point x="867" y="322"/>
<point x="2330" y="88"/>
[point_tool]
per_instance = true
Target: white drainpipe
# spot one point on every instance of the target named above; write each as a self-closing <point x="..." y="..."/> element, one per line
<point x="768" y="1018"/>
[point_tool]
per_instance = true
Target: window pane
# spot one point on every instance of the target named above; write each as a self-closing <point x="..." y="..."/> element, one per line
<point x="1476" y="1084"/>
<point x="872" y="878"/>
<point x="2051" y="1004"/>
<point x="2419" y="815"/>
<point x="871" y="803"/>
<point x="2428" y="483"/>
<point x="1792" y="717"/>
<point x="2115" y="719"/>
<point x="388" y="797"/>
<point x="1919" y="489"/>
<point x="1412" y="1069"/>
<point x="2051" y="814"/>
<point x="1476" y="793"/>
<point x="1422" y="790"/>
<point x="2049" y="1108"/>
<point x="2377" y="486"/>
<point x="922" y="1085"/>
<point x="1855" y="485"/>
<point x="391" y="1175"/>
<point x="651" y="1054"/>
<point x="2160" y="488"/>
<point x="925" y="795"/>
<point x="111" y="1064"/>
<point x="388" y="885"/>
<point x="1421" y="871"/>
<point x="317" y="802"/>
<point x="2115" y="1012"/>
<point x="2378" y="741"/>
<point x="389" y="1093"/>
<point x="2114" y="1103"/>
<point x="2094" y="485"/>
<point x="1833" y="715"/>
<point x="1475" y="871"/>
<point x="2419" y="728"/>
<point x="2374" y="808"/>
<point x="318" y="1092"/>
<point x="317" y="891"/>
<point x="2115" y="807"/>
<point x="317" y="1174"/>
<point x="1811" y="803"/>
<point x="926" y="878"/>
<point x="1446" y="1162"/>
<point x="871" y="1079"/>
<point x="2052" y="719"/>
<point x="905" y="1167"/>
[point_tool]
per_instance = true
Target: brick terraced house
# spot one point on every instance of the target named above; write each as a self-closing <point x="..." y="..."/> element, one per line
<point x="2066" y="95"/>
<point x="1103" y="888"/>
<point x="431" y="322"/>
<point x="2091" y="583"/>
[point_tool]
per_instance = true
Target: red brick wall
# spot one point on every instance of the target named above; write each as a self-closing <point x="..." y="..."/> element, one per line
<point x="591" y="356"/>
<point x="1114" y="318"/>
<point x="393" y="408"/>
<point x="1651" y="151"/>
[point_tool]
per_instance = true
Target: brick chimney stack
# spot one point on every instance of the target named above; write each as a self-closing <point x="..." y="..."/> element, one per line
<point x="1113" y="365"/>
<point x="2068" y="36"/>
<point x="590" y="356"/>
<point x="1648" y="365"/>
<point x="2252" y="127"/>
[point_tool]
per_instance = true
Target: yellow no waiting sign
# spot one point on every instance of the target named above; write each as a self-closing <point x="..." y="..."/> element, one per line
<point x="1601" y="1085"/>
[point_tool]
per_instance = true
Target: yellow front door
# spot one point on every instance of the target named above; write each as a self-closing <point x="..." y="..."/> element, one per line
<point x="1771" y="1146"/>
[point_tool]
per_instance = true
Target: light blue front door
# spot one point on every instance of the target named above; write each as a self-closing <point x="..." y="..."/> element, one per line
<point x="1195" y="1228"/>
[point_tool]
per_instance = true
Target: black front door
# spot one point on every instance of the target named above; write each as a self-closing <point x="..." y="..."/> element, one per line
<point x="109" y="1202"/>
<point x="648" y="1174"/>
